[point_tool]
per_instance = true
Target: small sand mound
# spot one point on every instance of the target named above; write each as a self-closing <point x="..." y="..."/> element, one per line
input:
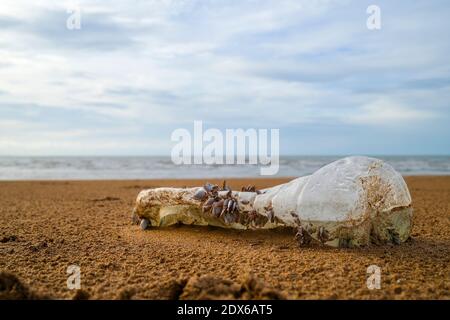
<point x="11" y="288"/>
<point x="81" y="295"/>
<point x="171" y="289"/>
<point x="210" y="288"/>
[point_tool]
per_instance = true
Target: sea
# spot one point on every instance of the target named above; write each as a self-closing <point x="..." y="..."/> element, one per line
<point x="157" y="167"/>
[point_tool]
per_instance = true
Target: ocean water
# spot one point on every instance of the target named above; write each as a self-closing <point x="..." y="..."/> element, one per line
<point x="82" y="168"/>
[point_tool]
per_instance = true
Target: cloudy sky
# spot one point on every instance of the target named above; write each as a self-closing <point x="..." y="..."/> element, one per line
<point x="137" y="70"/>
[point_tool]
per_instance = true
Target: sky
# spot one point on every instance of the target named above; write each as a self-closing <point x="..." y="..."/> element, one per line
<point x="137" y="70"/>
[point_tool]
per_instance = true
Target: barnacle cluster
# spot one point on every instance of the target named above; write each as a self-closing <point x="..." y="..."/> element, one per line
<point x="354" y="201"/>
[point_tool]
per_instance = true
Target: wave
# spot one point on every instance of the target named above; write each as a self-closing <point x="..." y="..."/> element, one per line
<point x="58" y="168"/>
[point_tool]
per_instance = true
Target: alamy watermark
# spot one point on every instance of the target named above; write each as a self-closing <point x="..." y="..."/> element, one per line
<point x="73" y="21"/>
<point x="74" y="278"/>
<point x="374" y="20"/>
<point x="236" y="146"/>
<point x="374" y="277"/>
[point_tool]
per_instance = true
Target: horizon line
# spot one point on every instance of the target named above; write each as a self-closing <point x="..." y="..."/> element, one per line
<point x="281" y="155"/>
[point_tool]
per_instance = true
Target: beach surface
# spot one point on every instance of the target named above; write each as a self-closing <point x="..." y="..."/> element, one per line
<point x="46" y="226"/>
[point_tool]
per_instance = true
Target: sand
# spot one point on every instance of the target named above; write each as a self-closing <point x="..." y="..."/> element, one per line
<point x="47" y="226"/>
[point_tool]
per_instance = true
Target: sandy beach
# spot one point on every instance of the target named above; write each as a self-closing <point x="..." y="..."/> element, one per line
<point x="45" y="226"/>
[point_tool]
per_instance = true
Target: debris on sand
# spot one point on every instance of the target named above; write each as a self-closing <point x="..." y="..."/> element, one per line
<point x="351" y="202"/>
<point x="5" y="239"/>
<point x="108" y="198"/>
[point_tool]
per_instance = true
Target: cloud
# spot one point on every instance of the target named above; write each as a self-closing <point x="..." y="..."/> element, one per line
<point x="384" y="112"/>
<point x="25" y="137"/>
<point x="158" y="65"/>
<point x="48" y="30"/>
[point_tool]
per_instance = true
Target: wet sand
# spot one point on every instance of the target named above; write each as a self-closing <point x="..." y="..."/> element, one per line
<point x="48" y="225"/>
